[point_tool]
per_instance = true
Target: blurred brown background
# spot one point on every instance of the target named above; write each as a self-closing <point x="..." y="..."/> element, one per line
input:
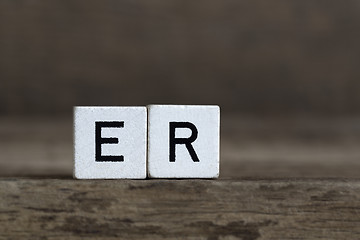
<point x="285" y="73"/>
<point x="252" y="57"/>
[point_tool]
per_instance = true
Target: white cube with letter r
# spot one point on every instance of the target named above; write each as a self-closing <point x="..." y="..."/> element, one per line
<point x="110" y="142"/>
<point x="183" y="141"/>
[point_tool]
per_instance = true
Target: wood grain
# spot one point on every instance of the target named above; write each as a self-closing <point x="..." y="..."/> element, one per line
<point x="179" y="209"/>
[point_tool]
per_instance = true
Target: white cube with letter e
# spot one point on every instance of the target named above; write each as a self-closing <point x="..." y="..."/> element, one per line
<point x="110" y="142"/>
<point x="183" y="141"/>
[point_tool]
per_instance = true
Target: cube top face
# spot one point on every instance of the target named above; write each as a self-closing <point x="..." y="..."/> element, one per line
<point x="184" y="141"/>
<point x="110" y="142"/>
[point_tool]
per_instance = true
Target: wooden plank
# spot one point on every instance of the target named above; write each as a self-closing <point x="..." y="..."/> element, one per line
<point x="173" y="209"/>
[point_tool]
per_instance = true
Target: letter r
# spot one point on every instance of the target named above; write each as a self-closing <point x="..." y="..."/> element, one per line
<point x="187" y="141"/>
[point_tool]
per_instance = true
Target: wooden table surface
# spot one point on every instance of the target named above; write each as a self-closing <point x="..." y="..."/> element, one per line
<point x="283" y="178"/>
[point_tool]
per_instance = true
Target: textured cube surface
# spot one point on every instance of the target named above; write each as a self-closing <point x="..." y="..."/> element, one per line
<point x="110" y="142"/>
<point x="183" y="141"/>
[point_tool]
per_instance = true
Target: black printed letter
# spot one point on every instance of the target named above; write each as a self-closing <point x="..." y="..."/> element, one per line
<point x="186" y="141"/>
<point x="99" y="140"/>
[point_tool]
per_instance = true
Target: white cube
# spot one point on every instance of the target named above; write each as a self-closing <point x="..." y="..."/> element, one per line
<point x="183" y="141"/>
<point x="110" y="142"/>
